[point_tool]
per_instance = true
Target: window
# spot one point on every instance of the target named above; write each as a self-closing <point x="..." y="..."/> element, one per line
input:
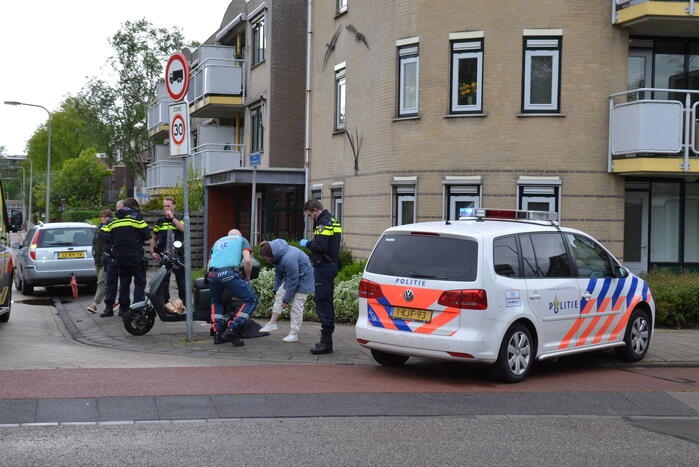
<point x="317" y="194"/>
<point x="506" y="256"/>
<point x="257" y="129"/>
<point x="538" y="198"/>
<point x="590" y="258"/>
<point x="405" y="205"/>
<point x="259" y="41"/>
<point x="341" y="6"/>
<point x="467" y="77"/>
<point x="460" y="197"/>
<point x="340" y="99"/>
<point x="408" y="80"/>
<point x="337" y="204"/>
<point x="542" y="73"/>
<point x="451" y="259"/>
<point x="544" y="255"/>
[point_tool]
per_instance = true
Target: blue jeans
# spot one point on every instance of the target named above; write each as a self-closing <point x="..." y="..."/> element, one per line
<point x="229" y="279"/>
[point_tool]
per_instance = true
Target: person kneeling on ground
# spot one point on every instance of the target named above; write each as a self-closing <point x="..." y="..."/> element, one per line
<point x="293" y="282"/>
<point x="224" y="273"/>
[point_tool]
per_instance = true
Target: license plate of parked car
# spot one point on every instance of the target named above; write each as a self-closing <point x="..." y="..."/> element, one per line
<point x="71" y="254"/>
<point x="412" y="314"/>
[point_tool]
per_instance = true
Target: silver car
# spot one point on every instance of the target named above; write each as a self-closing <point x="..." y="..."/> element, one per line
<point x="52" y="253"/>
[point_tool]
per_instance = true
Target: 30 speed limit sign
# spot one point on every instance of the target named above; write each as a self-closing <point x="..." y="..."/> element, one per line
<point x="179" y="129"/>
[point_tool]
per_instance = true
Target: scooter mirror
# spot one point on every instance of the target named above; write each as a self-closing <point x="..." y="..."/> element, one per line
<point x="177" y="244"/>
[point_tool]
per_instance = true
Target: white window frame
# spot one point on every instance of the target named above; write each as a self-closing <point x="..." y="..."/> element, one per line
<point x="400" y="200"/>
<point x="340" y="99"/>
<point x="341" y="6"/>
<point x="466" y="50"/>
<point x="257" y="129"/>
<point x="258" y="29"/>
<point x="539" y="194"/>
<point x="542" y="47"/>
<point x="407" y="55"/>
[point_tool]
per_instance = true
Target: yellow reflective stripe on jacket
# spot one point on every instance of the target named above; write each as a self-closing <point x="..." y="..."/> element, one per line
<point x="329" y="230"/>
<point x="125" y="223"/>
<point x="158" y="228"/>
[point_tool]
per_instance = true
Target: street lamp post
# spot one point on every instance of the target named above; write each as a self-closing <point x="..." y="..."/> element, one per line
<point x="48" y="160"/>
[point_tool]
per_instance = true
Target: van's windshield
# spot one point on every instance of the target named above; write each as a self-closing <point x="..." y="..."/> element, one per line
<point x="426" y="257"/>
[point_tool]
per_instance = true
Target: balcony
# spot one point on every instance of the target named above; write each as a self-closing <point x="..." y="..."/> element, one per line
<point x="213" y="158"/>
<point x="657" y="17"/>
<point x="158" y="118"/>
<point x="216" y="83"/>
<point x="654" y="132"/>
<point x="163" y="174"/>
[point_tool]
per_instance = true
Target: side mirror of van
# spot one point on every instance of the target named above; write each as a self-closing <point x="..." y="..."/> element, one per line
<point x="622" y="272"/>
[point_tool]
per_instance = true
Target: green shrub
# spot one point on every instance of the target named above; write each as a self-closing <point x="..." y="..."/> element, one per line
<point x="350" y="270"/>
<point x="345" y="300"/>
<point x="80" y="215"/>
<point x="676" y="298"/>
<point x="345" y="257"/>
<point x="153" y="204"/>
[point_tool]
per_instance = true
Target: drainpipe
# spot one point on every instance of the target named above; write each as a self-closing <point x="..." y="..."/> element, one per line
<point x="307" y="121"/>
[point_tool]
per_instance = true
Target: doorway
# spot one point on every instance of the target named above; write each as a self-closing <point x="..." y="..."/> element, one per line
<point x="636" y="231"/>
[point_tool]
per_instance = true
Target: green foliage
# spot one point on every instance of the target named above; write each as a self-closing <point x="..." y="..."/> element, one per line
<point x="196" y="192"/>
<point x="263" y="289"/>
<point x="676" y="298"/>
<point x="345" y="300"/>
<point x="82" y="215"/>
<point x="153" y="204"/>
<point x="256" y="254"/>
<point x="350" y="270"/>
<point x="345" y="257"/>
<point x="80" y="181"/>
<point x="123" y="193"/>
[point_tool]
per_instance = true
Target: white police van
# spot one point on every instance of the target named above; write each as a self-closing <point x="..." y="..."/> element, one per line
<point x="502" y="287"/>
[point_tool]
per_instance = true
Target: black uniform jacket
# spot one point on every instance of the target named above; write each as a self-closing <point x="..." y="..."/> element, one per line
<point x="127" y="231"/>
<point x="325" y="246"/>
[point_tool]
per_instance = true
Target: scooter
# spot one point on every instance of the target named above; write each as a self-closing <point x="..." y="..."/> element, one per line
<point x="141" y="316"/>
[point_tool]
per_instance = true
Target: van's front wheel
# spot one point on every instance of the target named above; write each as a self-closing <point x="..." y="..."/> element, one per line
<point x="388" y="359"/>
<point x="516" y="355"/>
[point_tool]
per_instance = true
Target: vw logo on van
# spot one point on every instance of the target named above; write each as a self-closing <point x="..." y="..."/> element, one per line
<point x="408" y="295"/>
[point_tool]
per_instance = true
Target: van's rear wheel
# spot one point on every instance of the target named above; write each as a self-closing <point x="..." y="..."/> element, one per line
<point x="516" y="355"/>
<point x="636" y="337"/>
<point x="388" y="359"/>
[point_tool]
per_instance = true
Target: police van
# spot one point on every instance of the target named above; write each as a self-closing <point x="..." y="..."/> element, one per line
<point x="501" y="287"/>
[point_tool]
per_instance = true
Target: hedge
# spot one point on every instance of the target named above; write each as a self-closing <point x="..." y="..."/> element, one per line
<point x="676" y="298"/>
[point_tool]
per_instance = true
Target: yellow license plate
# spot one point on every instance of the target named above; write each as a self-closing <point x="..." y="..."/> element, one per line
<point x="71" y="254"/>
<point x="412" y="314"/>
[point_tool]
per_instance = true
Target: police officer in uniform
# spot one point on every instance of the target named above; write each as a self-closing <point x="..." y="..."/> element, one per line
<point x="325" y="256"/>
<point x="128" y="232"/>
<point x="166" y="231"/>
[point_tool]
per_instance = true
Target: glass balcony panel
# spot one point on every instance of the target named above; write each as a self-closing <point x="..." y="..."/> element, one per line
<point x="163" y="174"/>
<point x="213" y="158"/>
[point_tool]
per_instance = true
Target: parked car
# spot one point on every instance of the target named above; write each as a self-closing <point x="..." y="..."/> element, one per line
<point x="6" y="269"/>
<point x="499" y="287"/>
<point x="52" y="253"/>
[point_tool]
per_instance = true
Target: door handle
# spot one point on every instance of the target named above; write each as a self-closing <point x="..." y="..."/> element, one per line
<point x="587" y="296"/>
<point x="535" y="296"/>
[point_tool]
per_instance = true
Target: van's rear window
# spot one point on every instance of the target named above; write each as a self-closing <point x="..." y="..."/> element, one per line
<point x="72" y="236"/>
<point x="425" y="256"/>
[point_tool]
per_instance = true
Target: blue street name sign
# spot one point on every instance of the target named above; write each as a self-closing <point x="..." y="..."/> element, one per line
<point x="255" y="159"/>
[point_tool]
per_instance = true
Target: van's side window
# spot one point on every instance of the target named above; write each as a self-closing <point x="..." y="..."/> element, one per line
<point x="28" y="238"/>
<point x="590" y="258"/>
<point x="545" y="255"/>
<point x="506" y="257"/>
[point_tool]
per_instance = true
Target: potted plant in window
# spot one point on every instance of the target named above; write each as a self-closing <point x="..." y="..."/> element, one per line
<point x="468" y="93"/>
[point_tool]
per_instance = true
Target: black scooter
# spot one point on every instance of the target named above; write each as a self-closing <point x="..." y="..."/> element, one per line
<point x="141" y="316"/>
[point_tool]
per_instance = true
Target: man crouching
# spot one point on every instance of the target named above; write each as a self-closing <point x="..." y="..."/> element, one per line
<point x="225" y="274"/>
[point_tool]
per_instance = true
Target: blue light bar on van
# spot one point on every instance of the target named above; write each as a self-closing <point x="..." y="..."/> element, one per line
<point x="512" y="214"/>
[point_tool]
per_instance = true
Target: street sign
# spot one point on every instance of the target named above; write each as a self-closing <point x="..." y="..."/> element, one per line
<point x="177" y="76"/>
<point x="179" y="129"/>
<point x="255" y="159"/>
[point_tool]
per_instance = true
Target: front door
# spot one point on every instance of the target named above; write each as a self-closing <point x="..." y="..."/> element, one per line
<point x="636" y="231"/>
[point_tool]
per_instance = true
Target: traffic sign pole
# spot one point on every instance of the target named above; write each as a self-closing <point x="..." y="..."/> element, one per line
<point x="188" y="250"/>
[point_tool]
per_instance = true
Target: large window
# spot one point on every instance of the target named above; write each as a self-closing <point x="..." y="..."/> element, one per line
<point x="538" y="198"/>
<point x="337" y="204"/>
<point x="466" y="76"/>
<point x="459" y="197"/>
<point x="404" y="197"/>
<point x="590" y="258"/>
<point x="340" y="81"/>
<point x="257" y="129"/>
<point x="542" y="74"/>
<point x="664" y="220"/>
<point x="408" y="80"/>
<point x="544" y="255"/>
<point x="259" y="41"/>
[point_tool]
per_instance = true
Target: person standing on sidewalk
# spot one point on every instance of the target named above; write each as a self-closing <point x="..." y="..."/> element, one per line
<point x="112" y="277"/>
<point x="101" y="249"/>
<point x="325" y="257"/>
<point x="225" y="273"/>
<point x="293" y="281"/>
<point x="166" y="231"/>
<point x="128" y="232"/>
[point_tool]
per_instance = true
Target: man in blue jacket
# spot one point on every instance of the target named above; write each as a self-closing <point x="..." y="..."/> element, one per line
<point x="293" y="282"/>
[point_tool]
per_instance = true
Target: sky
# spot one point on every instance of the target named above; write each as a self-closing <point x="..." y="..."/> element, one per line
<point x="51" y="47"/>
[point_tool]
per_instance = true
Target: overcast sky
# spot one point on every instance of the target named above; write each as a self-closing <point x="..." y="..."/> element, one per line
<point x="49" y="47"/>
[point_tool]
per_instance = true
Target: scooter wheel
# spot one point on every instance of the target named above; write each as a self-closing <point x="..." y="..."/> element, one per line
<point x="139" y="322"/>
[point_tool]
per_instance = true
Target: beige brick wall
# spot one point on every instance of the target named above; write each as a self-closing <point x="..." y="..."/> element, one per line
<point x="498" y="147"/>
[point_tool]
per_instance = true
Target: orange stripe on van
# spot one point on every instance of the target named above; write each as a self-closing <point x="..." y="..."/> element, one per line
<point x="583" y="337"/>
<point x="625" y="319"/>
<point x="443" y="318"/>
<point x="603" y="329"/>
<point x="423" y="298"/>
<point x="576" y="326"/>
<point x="382" y="314"/>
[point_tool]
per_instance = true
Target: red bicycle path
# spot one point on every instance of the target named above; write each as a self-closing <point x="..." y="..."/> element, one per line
<point x="326" y="379"/>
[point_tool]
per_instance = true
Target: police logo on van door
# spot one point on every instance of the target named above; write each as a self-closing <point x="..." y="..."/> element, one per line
<point x="408" y="295"/>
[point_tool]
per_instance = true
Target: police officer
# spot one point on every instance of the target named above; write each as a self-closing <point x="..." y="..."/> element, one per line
<point x="224" y="273"/>
<point x="325" y="256"/>
<point x="112" y="273"/>
<point x="166" y="231"/>
<point x="128" y="232"/>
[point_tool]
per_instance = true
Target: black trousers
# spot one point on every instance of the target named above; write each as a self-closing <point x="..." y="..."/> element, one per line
<point x="181" y="288"/>
<point x="325" y="287"/>
<point x="112" y="283"/>
<point x="129" y="271"/>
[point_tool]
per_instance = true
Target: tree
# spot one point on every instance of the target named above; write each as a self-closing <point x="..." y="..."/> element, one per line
<point x="80" y="182"/>
<point x="140" y="50"/>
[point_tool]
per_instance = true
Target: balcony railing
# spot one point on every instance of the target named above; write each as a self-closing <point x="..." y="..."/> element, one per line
<point x="216" y="76"/>
<point x="158" y="114"/>
<point x="689" y="10"/>
<point x="211" y="158"/>
<point x="652" y="122"/>
<point x="163" y="174"/>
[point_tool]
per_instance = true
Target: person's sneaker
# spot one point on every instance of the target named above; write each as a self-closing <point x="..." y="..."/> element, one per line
<point x="292" y="337"/>
<point x="269" y="327"/>
<point x="322" y="348"/>
<point x="107" y="314"/>
<point x="92" y="308"/>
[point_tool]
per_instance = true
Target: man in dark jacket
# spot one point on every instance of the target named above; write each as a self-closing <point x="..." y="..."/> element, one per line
<point x="325" y="257"/>
<point x="293" y="281"/>
<point x="128" y="231"/>
<point x="101" y="251"/>
<point x="166" y="231"/>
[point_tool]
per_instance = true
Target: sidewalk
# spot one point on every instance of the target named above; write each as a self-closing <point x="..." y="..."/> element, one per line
<point x="668" y="347"/>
